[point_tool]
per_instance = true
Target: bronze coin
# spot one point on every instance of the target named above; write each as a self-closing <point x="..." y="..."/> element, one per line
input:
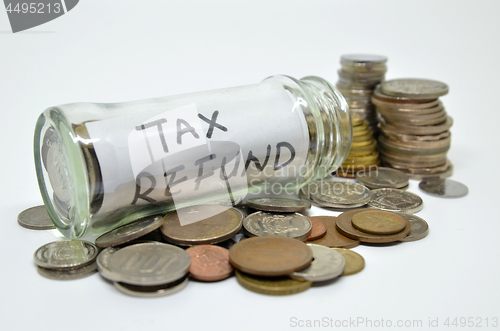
<point x="333" y="238"/>
<point x="209" y="263"/>
<point x="344" y="226"/>
<point x="375" y="222"/>
<point x="318" y="229"/>
<point x="270" y="255"/>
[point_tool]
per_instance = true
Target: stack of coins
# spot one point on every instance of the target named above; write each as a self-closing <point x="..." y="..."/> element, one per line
<point x="414" y="127"/>
<point x="363" y="154"/>
<point x="358" y="77"/>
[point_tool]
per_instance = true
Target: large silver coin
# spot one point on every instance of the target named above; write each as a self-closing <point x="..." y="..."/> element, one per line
<point x="35" y="218"/>
<point x="279" y="205"/>
<point x="396" y="200"/>
<point x="69" y="274"/>
<point x="446" y="188"/>
<point x="148" y="264"/>
<point x="152" y="291"/>
<point x="327" y="264"/>
<point x="289" y="225"/>
<point x="129" y="232"/>
<point x="340" y="194"/>
<point x="382" y="178"/>
<point x="65" y="254"/>
<point x="414" y="88"/>
<point x="419" y="228"/>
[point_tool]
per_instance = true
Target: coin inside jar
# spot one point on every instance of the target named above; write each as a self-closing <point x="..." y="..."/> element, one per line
<point x="292" y="225"/>
<point x="209" y="263"/>
<point x="270" y="255"/>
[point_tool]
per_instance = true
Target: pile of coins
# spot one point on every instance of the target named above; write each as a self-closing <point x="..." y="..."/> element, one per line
<point x="363" y="154"/>
<point x="358" y="77"/>
<point x="414" y="127"/>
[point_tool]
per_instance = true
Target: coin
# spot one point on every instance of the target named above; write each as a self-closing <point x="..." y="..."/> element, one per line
<point x="270" y="255"/>
<point x="362" y="59"/>
<point x="293" y="225"/>
<point x="344" y="226"/>
<point x="211" y="230"/>
<point x="65" y="254"/>
<point x="69" y="274"/>
<point x="444" y="188"/>
<point x="378" y="222"/>
<point x="318" y="229"/>
<point x="327" y="264"/>
<point x="35" y="218"/>
<point x="154" y="290"/>
<point x="414" y="88"/>
<point x="148" y="264"/>
<point x="396" y="200"/>
<point x="272" y="286"/>
<point x="382" y="178"/>
<point x="379" y="95"/>
<point x="129" y="232"/>
<point x="419" y="228"/>
<point x="339" y="194"/>
<point x="279" y="205"/>
<point x="209" y="262"/>
<point x="354" y="262"/>
<point x="333" y="238"/>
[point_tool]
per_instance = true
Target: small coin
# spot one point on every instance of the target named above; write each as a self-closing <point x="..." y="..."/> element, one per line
<point x="382" y="178"/>
<point x="356" y="120"/>
<point x="339" y="194"/>
<point x="209" y="263"/>
<point x="333" y="238"/>
<point x="344" y="226"/>
<point x="279" y="205"/>
<point x="272" y="285"/>
<point x="396" y="200"/>
<point x="419" y="228"/>
<point x="327" y="264"/>
<point x="318" y="229"/>
<point x="69" y="274"/>
<point x="225" y="224"/>
<point x="129" y="232"/>
<point x="35" y="218"/>
<point x="378" y="222"/>
<point x="293" y="225"/>
<point x="65" y="254"/>
<point x="148" y="264"/>
<point x="354" y="262"/>
<point x="270" y="255"/>
<point x="414" y="88"/>
<point x="154" y="290"/>
<point x="445" y="188"/>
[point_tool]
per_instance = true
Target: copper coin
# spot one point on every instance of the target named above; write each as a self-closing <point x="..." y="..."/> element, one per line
<point x="270" y="255"/>
<point x="209" y="263"/>
<point x="318" y="229"/>
<point x="375" y="222"/>
<point x="333" y="238"/>
<point x="344" y="226"/>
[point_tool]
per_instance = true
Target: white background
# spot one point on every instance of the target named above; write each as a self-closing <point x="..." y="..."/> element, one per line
<point x="111" y="51"/>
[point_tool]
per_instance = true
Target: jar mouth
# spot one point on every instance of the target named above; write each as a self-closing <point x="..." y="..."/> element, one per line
<point x="62" y="179"/>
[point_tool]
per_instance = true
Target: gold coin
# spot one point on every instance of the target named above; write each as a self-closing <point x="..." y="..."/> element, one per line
<point x="362" y="127"/>
<point x="356" y="119"/>
<point x="272" y="285"/>
<point x="354" y="262"/>
<point x="363" y="150"/>
<point x="367" y="136"/>
<point x="363" y="132"/>
<point x="375" y="222"/>
<point x="365" y="159"/>
<point x="356" y="144"/>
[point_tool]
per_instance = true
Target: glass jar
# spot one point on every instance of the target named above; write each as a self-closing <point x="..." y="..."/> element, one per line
<point x="103" y="165"/>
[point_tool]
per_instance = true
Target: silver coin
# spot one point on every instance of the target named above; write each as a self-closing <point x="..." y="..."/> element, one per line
<point x="65" y="254"/>
<point x="70" y="274"/>
<point x="289" y="225"/>
<point x="446" y="188"/>
<point x="35" y="218"/>
<point x="129" y="232"/>
<point x="340" y="194"/>
<point x="152" y="291"/>
<point x="414" y="88"/>
<point x="362" y="58"/>
<point x="279" y="205"/>
<point x="396" y="200"/>
<point x="327" y="264"/>
<point x="148" y="264"/>
<point x="419" y="228"/>
<point x="382" y="178"/>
